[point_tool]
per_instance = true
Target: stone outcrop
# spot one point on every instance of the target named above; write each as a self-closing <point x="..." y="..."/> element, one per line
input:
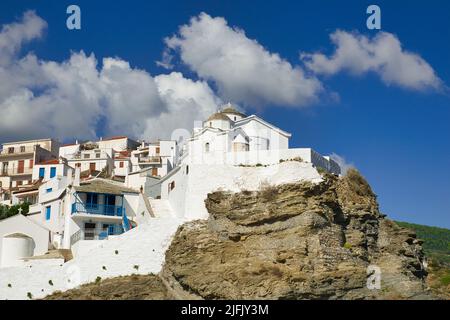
<point x="296" y="241"/>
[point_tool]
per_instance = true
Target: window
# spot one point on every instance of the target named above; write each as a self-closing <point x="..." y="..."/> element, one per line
<point x="49" y="190"/>
<point x="97" y="155"/>
<point x="187" y="170"/>
<point x="52" y="172"/>
<point x="48" y="212"/>
<point x="92" y="166"/>
<point x="31" y="164"/>
<point x="121" y="164"/>
<point x="5" y="168"/>
<point x="92" y="200"/>
<point x="87" y="156"/>
<point x="78" y="165"/>
<point x="157" y="150"/>
<point x="19" y="183"/>
<point x="11" y="150"/>
<point x="210" y="123"/>
<point x="41" y="173"/>
<point x="207" y="147"/>
<point x="20" y="166"/>
<point x="171" y="186"/>
<point x="154" y="171"/>
<point x="22" y="149"/>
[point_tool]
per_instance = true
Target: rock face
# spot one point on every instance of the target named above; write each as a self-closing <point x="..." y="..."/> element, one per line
<point x="296" y="241"/>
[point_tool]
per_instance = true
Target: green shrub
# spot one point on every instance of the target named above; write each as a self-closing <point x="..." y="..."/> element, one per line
<point x="9" y="211"/>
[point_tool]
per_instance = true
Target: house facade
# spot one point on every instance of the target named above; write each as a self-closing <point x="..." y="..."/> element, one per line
<point x="17" y="160"/>
<point x="160" y="157"/>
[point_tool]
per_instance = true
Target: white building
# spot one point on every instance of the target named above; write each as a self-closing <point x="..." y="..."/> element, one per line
<point x="160" y="157"/>
<point x="111" y="155"/>
<point x="231" y="148"/>
<point x="70" y="212"/>
<point x="17" y="160"/>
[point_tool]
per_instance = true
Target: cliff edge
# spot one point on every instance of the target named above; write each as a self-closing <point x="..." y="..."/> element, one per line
<point x="296" y="241"/>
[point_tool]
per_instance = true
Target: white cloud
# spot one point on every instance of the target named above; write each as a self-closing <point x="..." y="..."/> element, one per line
<point x="383" y="54"/>
<point x="77" y="97"/>
<point x="342" y="162"/>
<point x="242" y="69"/>
<point x="13" y="35"/>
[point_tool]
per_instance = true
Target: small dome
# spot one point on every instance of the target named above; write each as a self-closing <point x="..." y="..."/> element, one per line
<point x="218" y="116"/>
<point x="231" y="110"/>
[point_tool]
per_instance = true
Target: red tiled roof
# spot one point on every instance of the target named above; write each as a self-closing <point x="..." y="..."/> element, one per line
<point x="115" y="138"/>
<point x="52" y="161"/>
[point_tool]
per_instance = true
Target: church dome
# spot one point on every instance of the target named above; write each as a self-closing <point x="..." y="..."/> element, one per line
<point x="218" y="116"/>
<point x="218" y="120"/>
<point x="232" y="113"/>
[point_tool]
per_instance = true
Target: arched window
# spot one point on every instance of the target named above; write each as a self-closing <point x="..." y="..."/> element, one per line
<point x="207" y="147"/>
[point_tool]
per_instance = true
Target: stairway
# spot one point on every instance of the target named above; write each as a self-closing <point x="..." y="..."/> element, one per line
<point x="148" y="205"/>
<point x="161" y="208"/>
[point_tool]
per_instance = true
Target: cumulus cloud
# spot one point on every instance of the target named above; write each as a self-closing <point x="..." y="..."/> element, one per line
<point x="13" y="35"/>
<point x="76" y="97"/>
<point x="342" y="162"/>
<point x="242" y="69"/>
<point x="382" y="54"/>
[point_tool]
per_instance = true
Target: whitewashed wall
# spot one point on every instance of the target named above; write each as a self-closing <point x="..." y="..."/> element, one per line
<point x="22" y="225"/>
<point x="152" y="239"/>
<point x="191" y="189"/>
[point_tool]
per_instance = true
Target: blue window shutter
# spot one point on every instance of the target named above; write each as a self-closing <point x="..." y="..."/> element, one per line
<point x="41" y="172"/>
<point x="52" y="172"/>
<point x="48" y="212"/>
<point x="49" y="190"/>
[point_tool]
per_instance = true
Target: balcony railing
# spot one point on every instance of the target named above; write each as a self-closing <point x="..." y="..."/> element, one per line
<point x="17" y="150"/>
<point x="15" y="171"/>
<point x="150" y="159"/>
<point x="88" y="155"/>
<point x="101" y="209"/>
<point x="96" y="234"/>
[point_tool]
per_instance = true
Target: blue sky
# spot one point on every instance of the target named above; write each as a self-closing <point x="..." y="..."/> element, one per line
<point x="398" y="137"/>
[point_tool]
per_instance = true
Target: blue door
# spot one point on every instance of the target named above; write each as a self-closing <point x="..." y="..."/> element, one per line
<point x="47" y="212"/>
<point x="52" y="172"/>
<point x="110" y="202"/>
<point x="41" y="172"/>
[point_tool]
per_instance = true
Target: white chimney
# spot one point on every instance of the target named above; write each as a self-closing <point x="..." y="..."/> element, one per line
<point x="70" y="176"/>
<point x="76" y="181"/>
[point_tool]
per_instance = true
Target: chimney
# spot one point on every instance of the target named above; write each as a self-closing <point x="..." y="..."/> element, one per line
<point x="76" y="141"/>
<point x="76" y="180"/>
<point x="70" y="176"/>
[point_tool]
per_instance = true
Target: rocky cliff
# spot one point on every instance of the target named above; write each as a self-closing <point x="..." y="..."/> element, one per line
<point x="296" y="241"/>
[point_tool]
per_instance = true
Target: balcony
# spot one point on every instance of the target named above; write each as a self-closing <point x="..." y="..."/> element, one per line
<point x="96" y="234"/>
<point x="98" y="209"/>
<point x="11" y="151"/>
<point x="15" y="171"/>
<point x="88" y="155"/>
<point x="150" y="160"/>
